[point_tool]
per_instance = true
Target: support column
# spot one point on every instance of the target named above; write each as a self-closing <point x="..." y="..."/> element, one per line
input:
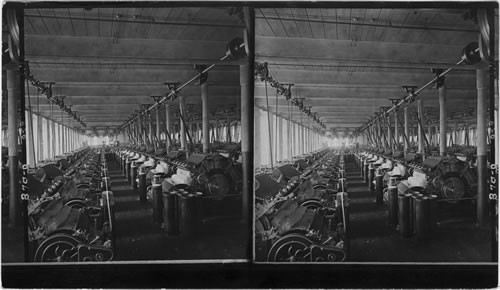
<point x="246" y="76"/>
<point x="53" y="134"/>
<point x="67" y="140"/>
<point x="303" y="141"/>
<point x="429" y="133"/>
<point x="380" y="133"/>
<point x="61" y="138"/>
<point x="145" y="124"/>
<point x="396" y="130"/>
<point x="182" y="105"/>
<point x="420" y="112"/>
<point x="49" y="147"/>
<point x="39" y="147"/>
<point x="167" y="124"/>
<point x="198" y="132"/>
<point x="442" y="119"/>
<point x="29" y="135"/>
<point x="150" y="128"/>
<point x="306" y="140"/>
<point x="482" y="78"/>
<point x="405" y="112"/>
<point x="157" y="119"/>
<point x="13" y="95"/>
<point x="137" y="128"/>
<point x="389" y="135"/>
<point x="466" y="134"/>
<point x="65" y="144"/>
<point x="279" y="136"/>
<point x="204" y="116"/>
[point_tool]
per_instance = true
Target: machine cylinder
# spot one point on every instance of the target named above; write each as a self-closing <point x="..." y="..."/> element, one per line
<point x="124" y="164"/>
<point x="133" y="176"/>
<point x="371" y="179"/>
<point x="127" y="170"/>
<point x="379" y="190"/>
<point x="170" y="213"/>
<point x="157" y="204"/>
<point x="422" y="218"/>
<point x="404" y="215"/>
<point x="142" y="186"/>
<point x="124" y="160"/>
<point x="188" y="214"/>
<point x="433" y="211"/>
<point x="413" y="210"/>
<point x="392" y="192"/>
<point x="365" y="172"/>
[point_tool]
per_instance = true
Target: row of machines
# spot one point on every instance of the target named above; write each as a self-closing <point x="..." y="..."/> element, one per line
<point x="184" y="190"/>
<point x="70" y="209"/>
<point x="302" y="210"/>
<point x="417" y="191"/>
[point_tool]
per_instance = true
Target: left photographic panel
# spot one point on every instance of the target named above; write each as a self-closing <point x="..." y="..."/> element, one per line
<point x="122" y="127"/>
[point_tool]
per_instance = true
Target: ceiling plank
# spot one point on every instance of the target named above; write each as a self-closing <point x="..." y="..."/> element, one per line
<point x="78" y="47"/>
<point x="267" y="47"/>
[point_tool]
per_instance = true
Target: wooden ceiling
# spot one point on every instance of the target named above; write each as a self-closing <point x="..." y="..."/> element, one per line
<point x="107" y="62"/>
<point x="347" y="63"/>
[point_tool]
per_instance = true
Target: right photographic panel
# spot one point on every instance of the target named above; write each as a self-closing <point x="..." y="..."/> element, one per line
<point x="375" y="134"/>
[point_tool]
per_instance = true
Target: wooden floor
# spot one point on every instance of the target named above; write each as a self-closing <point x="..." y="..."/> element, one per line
<point x="372" y="240"/>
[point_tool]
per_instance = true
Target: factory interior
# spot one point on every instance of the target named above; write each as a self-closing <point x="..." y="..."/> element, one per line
<point x="134" y="140"/>
<point x="376" y="135"/>
<point x="182" y="142"/>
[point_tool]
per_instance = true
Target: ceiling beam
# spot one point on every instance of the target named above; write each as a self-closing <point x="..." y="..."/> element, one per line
<point x="328" y="92"/>
<point x="396" y="79"/>
<point x="353" y="101"/>
<point x="121" y="75"/>
<point x="126" y="93"/>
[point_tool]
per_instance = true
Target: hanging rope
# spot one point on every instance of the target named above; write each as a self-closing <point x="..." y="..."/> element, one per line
<point x="31" y="123"/>
<point x="269" y="126"/>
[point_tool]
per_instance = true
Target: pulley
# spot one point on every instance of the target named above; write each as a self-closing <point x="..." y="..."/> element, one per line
<point x="236" y="48"/>
<point x="470" y="53"/>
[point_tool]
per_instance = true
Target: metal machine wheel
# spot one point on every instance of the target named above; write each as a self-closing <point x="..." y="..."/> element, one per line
<point x="76" y="203"/>
<point x="290" y="248"/>
<point x="312" y="204"/>
<point x="58" y="248"/>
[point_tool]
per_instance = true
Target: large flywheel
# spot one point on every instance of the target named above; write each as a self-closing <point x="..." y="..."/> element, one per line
<point x="58" y="248"/>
